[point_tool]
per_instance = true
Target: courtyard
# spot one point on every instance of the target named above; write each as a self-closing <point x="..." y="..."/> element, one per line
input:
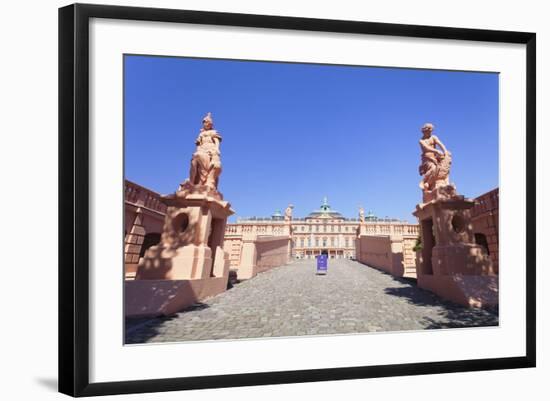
<point x="291" y="300"/>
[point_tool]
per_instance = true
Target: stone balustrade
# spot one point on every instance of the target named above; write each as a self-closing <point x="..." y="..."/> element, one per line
<point x="283" y="228"/>
<point x="262" y="228"/>
<point x="142" y="197"/>
<point x="369" y="228"/>
<point x="486" y="203"/>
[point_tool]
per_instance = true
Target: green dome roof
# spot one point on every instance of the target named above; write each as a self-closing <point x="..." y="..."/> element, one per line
<point x="325" y="212"/>
<point x="277" y="215"/>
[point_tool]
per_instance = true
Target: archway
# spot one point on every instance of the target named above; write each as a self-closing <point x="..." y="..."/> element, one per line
<point x="481" y="239"/>
<point x="149" y="240"/>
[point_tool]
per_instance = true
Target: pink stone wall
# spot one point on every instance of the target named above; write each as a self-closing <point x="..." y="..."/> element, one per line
<point x="393" y="254"/>
<point x="233" y="245"/>
<point x="143" y="218"/>
<point x="250" y="254"/>
<point x="485" y="221"/>
<point x="271" y="252"/>
<point x="149" y="298"/>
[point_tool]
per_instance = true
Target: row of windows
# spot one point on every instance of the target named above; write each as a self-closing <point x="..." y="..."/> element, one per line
<point x="325" y="228"/>
<point x="321" y="242"/>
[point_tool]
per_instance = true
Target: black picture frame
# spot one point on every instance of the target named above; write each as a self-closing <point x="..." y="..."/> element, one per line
<point x="74" y="198"/>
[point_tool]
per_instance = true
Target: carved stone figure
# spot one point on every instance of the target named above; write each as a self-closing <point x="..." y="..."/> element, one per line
<point x="206" y="165"/>
<point x="288" y="212"/>
<point x="361" y="214"/>
<point x="435" y="164"/>
<point x="451" y="264"/>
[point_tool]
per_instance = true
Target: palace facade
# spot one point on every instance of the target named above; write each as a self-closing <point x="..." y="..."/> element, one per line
<point x="324" y="230"/>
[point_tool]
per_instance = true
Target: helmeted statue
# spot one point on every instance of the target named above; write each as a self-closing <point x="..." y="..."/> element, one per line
<point x="206" y="165"/>
<point x="435" y="164"/>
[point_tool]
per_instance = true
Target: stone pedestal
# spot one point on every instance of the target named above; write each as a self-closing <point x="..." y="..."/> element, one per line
<point x="450" y="258"/>
<point x="189" y="263"/>
<point x="247" y="267"/>
<point x="191" y="245"/>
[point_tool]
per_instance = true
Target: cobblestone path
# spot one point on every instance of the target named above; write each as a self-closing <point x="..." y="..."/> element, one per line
<point x="292" y="300"/>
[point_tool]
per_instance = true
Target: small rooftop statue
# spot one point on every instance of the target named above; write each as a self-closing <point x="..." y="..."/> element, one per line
<point x="361" y="214"/>
<point x="288" y="212"/>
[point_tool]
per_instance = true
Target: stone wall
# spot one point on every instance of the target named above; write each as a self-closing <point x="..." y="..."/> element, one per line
<point x="392" y="253"/>
<point x="485" y="223"/>
<point x="233" y="246"/>
<point x="250" y="254"/>
<point x="271" y="252"/>
<point x="143" y="220"/>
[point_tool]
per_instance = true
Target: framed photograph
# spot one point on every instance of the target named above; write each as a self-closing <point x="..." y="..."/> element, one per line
<point x="252" y="199"/>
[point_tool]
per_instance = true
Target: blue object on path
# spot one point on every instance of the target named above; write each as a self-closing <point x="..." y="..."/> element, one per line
<point x="322" y="264"/>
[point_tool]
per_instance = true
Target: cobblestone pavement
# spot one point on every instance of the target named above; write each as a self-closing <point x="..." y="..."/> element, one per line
<point x="292" y="300"/>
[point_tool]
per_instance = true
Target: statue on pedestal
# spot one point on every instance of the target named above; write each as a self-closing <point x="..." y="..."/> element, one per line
<point x="191" y="244"/>
<point x="361" y="214"/>
<point x="288" y="212"/>
<point x="452" y="264"/>
<point x="435" y="163"/>
<point x="206" y="165"/>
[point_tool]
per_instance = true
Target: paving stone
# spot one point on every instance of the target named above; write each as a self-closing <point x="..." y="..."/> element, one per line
<point x="292" y="300"/>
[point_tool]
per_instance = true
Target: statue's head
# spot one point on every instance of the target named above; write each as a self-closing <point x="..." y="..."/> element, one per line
<point x="207" y="122"/>
<point x="427" y="129"/>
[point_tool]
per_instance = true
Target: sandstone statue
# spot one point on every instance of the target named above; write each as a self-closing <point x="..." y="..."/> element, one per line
<point x="206" y="165"/>
<point x="288" y="212"/>
<point x="189" y="263"/>
<point x="451" y="263"/>
<point x="435" y="163"/>
<point x="361" y="214"/>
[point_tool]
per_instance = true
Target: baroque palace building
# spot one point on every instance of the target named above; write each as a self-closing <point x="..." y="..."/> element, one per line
<point x="324" y="230"/>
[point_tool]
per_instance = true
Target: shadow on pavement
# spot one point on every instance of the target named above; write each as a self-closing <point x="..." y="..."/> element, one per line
<point x="138" y="331"/>
<point x="452" y="315"/>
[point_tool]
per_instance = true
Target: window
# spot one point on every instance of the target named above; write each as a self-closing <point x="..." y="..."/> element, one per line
<point x="302" y="243"/>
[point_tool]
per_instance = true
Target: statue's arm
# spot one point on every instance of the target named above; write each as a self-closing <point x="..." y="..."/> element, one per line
<point x="216" y="138"/>
<point x="427" y="148"/>
<point x="438" y="142"/>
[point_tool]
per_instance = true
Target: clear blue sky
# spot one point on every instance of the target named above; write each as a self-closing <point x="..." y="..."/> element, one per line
<point x="293" y="133"/>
